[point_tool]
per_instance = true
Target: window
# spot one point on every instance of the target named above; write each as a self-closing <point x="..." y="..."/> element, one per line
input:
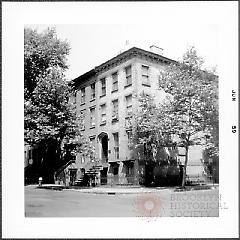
<point x="92" y="91"/>
<point x="115" y="82"/>
<point x="128" y="72"/>
<point x="129" y="105"/>
<point x="103" y="86"/>
<point x="116" y="145"/>
<point x="82" y="117"/>
<point x="129" y="135"/>
<point x="92" y="139"/>
<point x="103" y="113"/>
<point x="82" y="100"/>
<point x="128" y="123"/>
<point x="115" y="110"/>
<point x="145" y="75"/>
<point x="93" y="144"/>
<point x="92" y="117"/>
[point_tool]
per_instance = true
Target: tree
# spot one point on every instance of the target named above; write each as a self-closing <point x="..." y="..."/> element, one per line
<point x="41" y="51"/>
<point x="49" y="114"/>
<point x="211" y="152"/>
<point x="148" y="130"/>
<point x="185" y="117"/>
<point x="155" y="149"/>
<point x="50" y="119"/>
<point x="188" y="116"/>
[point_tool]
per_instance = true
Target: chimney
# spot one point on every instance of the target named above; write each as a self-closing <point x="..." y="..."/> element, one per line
<point x="156" y="50"/>
<point x="127" y="46"/>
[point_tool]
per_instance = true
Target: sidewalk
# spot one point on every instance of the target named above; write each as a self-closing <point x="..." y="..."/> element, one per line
<point x="115" y="190"/>
<point x="51" y="186"/>
<point x="123" y="189"/>
<point x="136" y="190"/>
<point x="105" y="189"/>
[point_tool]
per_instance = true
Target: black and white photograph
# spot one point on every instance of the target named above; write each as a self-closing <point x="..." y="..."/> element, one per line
<point x="127" y="115"/>
<point x="139" y="123"/>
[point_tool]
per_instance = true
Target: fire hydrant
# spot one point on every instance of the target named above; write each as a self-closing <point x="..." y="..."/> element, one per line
<point x="40" y="181"/>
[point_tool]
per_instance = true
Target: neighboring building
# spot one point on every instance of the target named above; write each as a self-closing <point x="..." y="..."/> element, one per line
<point x="31" y="163"/>
<point x="41" y="161"/>
<point x="27" y="156"/>
<point x="106" y="97"/>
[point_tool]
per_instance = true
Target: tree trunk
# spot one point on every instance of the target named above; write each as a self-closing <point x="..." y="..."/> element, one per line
<point x="185" y="167"/>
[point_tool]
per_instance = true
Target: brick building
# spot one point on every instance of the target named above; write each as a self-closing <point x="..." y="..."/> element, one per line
<point x="106" y="97"/>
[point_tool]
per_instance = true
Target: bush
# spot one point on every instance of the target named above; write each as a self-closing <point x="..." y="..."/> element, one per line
<point x="173" y="175"/>
<point x="165" y="175"/>
<point x="160" y="175"/>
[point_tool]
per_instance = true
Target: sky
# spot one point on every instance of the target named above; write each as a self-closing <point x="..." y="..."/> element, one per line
<point x="97" y="32"/>
<point x="93" y="44"/>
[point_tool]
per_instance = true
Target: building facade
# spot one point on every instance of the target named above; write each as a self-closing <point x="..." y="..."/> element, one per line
<point x="106" y="96"/>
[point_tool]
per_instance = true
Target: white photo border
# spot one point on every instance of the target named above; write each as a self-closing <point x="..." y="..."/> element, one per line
<point x="17" y="14"/>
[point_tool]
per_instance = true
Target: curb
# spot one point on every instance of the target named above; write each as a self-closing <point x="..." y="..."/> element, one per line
<point x="113" y="192"/>
<point x="110" y="192"/>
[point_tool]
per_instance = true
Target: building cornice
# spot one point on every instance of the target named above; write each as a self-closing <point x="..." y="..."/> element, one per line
<point x="123" y="57"/>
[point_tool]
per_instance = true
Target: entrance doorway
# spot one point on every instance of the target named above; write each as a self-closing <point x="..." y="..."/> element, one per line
<point x="103" y="140"/>
<point x="103" y="176"/>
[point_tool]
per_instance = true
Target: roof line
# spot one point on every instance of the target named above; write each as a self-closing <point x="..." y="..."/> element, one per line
<point x="93" y="71"/>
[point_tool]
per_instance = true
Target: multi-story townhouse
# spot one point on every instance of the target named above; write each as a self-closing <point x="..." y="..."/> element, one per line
<point x="106" y="95"/>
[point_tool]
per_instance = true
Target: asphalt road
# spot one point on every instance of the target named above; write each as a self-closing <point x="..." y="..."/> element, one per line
<point x="70" y="203"/>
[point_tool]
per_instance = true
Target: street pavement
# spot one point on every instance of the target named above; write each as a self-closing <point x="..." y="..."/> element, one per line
<point x="120" y="202"/>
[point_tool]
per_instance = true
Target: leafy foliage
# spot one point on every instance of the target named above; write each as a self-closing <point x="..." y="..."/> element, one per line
<point x="52" y="124"/>
<point x="41" y="51"/>
<point x="50" y="115"/>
